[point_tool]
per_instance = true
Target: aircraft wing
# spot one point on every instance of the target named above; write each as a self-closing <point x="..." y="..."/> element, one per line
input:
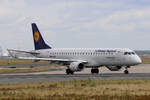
<point x="31" y="56"/>
<point x="52" y="59"/>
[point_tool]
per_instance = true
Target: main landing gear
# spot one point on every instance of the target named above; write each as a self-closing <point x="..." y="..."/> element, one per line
<point x="68" y="71"/>
<point x="126" y="70"/>
<point x="94" y="70"/>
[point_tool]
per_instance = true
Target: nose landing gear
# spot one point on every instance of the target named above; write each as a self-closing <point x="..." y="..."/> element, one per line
<point x="126" y="70"/>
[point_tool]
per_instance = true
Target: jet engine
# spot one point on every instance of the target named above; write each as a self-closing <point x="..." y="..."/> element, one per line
<point x="114" y="68"/>
<point x="76" y="66"/>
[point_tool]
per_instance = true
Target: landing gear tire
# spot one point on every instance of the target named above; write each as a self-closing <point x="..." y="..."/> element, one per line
<point x="126" y="72"/>
<point x="68" y="71"/>
<point x="95" y="71"/>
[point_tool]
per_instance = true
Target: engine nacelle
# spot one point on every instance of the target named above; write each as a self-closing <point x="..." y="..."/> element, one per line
<point x="76" y="66"/>
<point x="114" y="68"/>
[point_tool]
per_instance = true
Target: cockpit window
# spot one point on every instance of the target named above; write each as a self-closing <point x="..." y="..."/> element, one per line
<point x="133" y="53"/>
<point x="129" y="53"/>
<point x="125" y="53"/>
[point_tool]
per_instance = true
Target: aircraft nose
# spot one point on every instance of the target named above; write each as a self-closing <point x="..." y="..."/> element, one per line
<point x="138" y="60"/>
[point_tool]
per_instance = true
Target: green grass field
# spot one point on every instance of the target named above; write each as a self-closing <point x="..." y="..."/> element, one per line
<point x="78" y="90"/>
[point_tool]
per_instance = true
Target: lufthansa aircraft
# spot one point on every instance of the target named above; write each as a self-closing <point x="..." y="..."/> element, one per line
<point x="76" y="59"/>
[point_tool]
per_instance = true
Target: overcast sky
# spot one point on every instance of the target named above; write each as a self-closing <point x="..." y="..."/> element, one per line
<point x="76" y="23"/>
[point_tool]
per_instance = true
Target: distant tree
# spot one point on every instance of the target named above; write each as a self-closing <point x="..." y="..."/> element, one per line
<point x="1" y="51"/>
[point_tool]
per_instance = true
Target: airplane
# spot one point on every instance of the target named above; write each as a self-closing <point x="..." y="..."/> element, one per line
<point x="76" y="59"/>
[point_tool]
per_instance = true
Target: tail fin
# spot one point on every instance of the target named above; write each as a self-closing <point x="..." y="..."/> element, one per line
<point x="39" y="43"/>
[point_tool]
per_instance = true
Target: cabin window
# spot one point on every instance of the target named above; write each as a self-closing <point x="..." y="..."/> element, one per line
<point x="129" y="53"/>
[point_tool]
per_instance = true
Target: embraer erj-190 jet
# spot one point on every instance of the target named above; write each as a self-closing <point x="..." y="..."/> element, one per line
<point x="76" y="59"/>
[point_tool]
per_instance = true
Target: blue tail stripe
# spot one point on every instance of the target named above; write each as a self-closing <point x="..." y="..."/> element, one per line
<point x="39" y="42"/>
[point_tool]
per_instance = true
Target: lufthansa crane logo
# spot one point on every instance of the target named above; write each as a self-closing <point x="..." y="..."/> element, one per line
<point x="36" y="36"/>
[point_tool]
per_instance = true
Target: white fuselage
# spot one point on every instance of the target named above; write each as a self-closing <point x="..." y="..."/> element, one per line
<point x="95" y="56"/>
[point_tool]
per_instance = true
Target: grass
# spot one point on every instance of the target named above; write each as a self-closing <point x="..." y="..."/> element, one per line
<point x="26" y="69"/>
<point x="145" y="59"/>
<point x="78" y="90"/>
<point x="22" y="70"/>
<point x="5" y="62"/>
<point x="44" y="68"/>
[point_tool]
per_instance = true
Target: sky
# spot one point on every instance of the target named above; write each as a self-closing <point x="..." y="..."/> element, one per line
<point x="76" y="23"/>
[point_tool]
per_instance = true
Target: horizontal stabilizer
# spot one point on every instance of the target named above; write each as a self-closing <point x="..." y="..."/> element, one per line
<point x="19" y="53"/>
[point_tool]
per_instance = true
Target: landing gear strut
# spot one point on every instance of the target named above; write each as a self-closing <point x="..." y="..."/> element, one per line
<point x="94" y="70"/>
<point x="126" y="70"/>
<point x="68" y="71"/>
